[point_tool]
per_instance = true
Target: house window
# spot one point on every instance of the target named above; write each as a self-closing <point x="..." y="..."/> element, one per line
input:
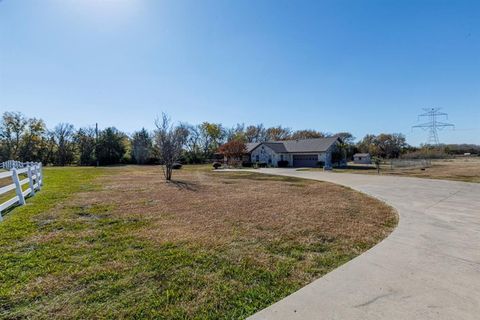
<point x="281" y="157"/>
<point x="257" y="158"/>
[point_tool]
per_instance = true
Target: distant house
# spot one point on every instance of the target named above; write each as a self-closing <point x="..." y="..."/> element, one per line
<point x="362" y="158"/>
<point x="297" y="153"/>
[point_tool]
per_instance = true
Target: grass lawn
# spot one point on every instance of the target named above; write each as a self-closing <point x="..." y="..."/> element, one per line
<point x="459" y="169"/>
<point x="121" y="243"/>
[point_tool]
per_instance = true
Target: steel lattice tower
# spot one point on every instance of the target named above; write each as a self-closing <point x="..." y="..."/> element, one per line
<point x="433" y="125"/>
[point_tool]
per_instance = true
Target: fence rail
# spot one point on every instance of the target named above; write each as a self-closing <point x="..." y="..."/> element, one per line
<point x="410" y="163"/>
<point x="10" y="164"/>
<point x="34" y="179"/>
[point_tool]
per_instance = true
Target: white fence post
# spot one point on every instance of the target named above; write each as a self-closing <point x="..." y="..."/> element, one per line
<point x="37" y="176"/>
<point x="40" y="175"/>
<point x="30" y="180"/>
<point x="18" y="187"/>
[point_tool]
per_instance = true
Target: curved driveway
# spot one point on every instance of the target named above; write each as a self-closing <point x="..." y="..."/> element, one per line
<point x="428" y="268"/>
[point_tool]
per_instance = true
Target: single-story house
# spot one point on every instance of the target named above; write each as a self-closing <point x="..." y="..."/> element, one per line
<point x="298" y="153"/>
<point x="362" y="158"/>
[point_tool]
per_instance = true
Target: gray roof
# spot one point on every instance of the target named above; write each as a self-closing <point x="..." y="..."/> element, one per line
<point x="361" y="154"/>
<point x="252" y="145"/>
<point x="292" y="146"/>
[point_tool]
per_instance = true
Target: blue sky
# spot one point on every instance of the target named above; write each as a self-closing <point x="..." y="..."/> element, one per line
<point x="358" y="66"/>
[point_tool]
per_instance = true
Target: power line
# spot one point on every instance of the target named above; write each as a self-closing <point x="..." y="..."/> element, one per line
<point x="433" y="125"/>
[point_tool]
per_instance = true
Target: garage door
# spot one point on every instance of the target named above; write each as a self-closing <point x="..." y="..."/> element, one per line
<point x="305" y="160"/>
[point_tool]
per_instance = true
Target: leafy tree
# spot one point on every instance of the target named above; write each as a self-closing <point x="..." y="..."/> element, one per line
<point x="12" y="128"/>
<point x="391" y="145"/>
<point x="306" y="134"/>
<point x="33" y="142"/>
<point x="385" y="145"/>
<point x="236" y="133"/>
<point x="212" y="135"/>
<point x="462" y="148"/>
<point x="346" y="137"/>
<point x="339" y="154"/>
<point x="111" y="146"/>
<point x="85" y="142"/>
<point x="233" y="151"/>
<point x="348" y="141"/>
<point x="368" y="145"/>
<point x="141" y="146"/>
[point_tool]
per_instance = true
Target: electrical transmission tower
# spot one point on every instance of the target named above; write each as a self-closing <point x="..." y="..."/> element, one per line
<point x="433" y="125"/>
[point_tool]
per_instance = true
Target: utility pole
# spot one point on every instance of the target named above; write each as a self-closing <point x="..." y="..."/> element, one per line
<point x="96" y="143"/>
<point x="433" y="125"/>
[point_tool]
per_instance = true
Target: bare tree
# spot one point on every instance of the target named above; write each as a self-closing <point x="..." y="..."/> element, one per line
<point x="278" y="133"/>
<point x="255" y="133"/>
<point x="169" y="140"/>
<point x="236" y="133"/>
<point x="193" y="145"/>
<point x="63" y="135"/>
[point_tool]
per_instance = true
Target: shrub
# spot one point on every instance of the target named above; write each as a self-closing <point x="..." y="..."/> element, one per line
<point x="261" y="164"/>
<point x="321" y="164"/>
<point x="282" y="163"/>
<point x="247" y="164"/>
<point x="217" y="165"/>
<point x="177" y="166"/>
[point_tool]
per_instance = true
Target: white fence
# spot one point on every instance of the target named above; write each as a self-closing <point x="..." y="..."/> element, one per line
<point x="34" y="180"/>
<point x="410" y="163"/>
<point x="10" y="164"/>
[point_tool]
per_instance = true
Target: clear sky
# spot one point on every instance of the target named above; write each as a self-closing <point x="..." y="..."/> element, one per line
<point x="358" y="66"/>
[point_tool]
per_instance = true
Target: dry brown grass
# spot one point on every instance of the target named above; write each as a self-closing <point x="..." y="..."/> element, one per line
<point x="222" y="207"/>
<point x="458" y="169"/>
<point x="244" y="212"/>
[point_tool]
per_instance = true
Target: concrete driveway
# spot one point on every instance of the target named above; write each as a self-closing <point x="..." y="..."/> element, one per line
<point x="428" y="268"/>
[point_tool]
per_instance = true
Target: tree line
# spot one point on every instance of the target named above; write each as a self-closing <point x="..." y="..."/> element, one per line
<point x="28" y="139"/>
